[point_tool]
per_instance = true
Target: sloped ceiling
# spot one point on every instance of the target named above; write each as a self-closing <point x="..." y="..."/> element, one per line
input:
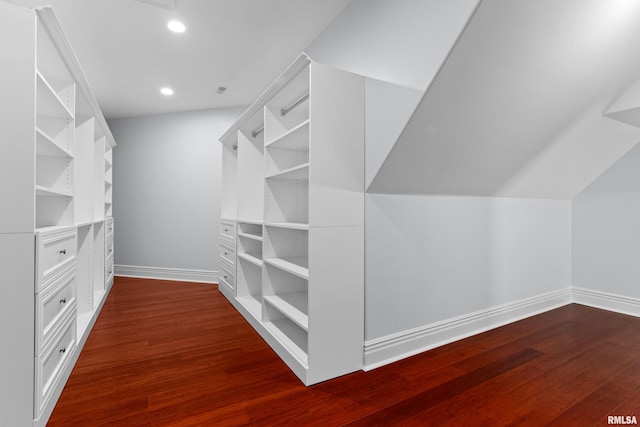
<point x="516" y="109"/>
<point x="128" y="54"/>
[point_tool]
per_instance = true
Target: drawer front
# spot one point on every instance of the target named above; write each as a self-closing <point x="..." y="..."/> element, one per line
<point x="228" y="255"/>
<point x="109" y="269"/>
<point x="51" y="307"/>
<point x="228" y="231"/>
<point x="227" y="278"/>
<point x="110" y="227"/>
<point x="109" y="246"/>
<point x="55" y="249"/>
<point x="50" y="364"/>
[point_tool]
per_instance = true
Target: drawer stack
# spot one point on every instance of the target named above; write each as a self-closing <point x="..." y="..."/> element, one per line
<point x="228" y="254"/>
<point x="55" y="296"/>
<point x="108" y="266"/>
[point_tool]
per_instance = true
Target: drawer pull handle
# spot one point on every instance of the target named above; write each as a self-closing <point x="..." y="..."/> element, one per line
<point x="63" y="252"/>
<point x="226" y="277"/>
<point x="63" y="301"/>
<point x="226" y="230"/>
<point x="226" y="253"/>
<point x="63" y="349"/>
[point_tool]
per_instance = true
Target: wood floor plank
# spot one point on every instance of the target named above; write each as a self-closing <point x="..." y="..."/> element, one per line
<point x="416" y="404"/>
<point x="166" y="353"/>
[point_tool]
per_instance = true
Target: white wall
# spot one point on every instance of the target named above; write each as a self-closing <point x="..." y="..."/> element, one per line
<point x="167" y="193"/>
<point x="433" y="259"/>
<point x="606" y="231"/>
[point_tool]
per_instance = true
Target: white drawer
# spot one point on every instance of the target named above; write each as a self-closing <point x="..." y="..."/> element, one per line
<point x="108" y="265"/>
<point x="228" y="254"/>
<point x="52" y="305"/>
<point x="55" y="249"/>
<point x="109" y="270"/>
<point x="227" y="277"/>
<point x="228" y="231"/>
<point x="109" y="226"/>
<point x="109" y="246"/>
<point x="50" y="364"/>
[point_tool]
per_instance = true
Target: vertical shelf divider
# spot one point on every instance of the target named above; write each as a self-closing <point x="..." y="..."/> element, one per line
<point x="310" y="249"/>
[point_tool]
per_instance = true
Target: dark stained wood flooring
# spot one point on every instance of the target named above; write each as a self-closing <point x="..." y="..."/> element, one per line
<point x="168" y="353"/>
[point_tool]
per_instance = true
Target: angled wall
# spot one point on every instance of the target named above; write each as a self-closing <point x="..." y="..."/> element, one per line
<point x="437" y="268"/>
<point x="606" y="238"/>
<point x="511" y="111"/>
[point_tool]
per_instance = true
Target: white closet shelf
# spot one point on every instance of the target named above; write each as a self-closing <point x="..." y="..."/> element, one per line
<point x="252" y="304"/>
<point x="295" y="139"/>
<point x="49" y="103"/>
<point x="289" y="225"/>
<point x="46" y="146"/>
<point x="294" y="305"/>
<point x="298" y="266"/>
<point x="281" y="329"/>
<point x="250" y="236"/>
<point x="251" y="221"/>
<point x="300" y="172"/>
<point x="251" y="258"/>
<point x="50" y="192"/>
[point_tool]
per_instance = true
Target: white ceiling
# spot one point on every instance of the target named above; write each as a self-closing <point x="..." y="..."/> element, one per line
<point x="128" y="53"/>
<point x="516" y="109"/>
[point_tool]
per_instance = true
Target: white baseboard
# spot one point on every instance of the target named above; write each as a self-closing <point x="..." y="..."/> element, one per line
<point x="607" y="301"/>
<point x="385" y="350"/>
<point x="202" y="276"/>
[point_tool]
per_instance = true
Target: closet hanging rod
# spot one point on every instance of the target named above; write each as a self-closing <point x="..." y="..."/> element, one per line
<point x="257" y="131"/>
<point x="285" y="111"/>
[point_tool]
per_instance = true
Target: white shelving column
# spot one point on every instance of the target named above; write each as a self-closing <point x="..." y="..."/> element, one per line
<point x="48" y="181"/>
<point x="250" y="196"/>
<point x="307" y="240"/>
<point x="228" y="214"/>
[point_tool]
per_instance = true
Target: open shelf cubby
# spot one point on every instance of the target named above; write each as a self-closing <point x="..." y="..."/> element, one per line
<point x="294" y="167"/>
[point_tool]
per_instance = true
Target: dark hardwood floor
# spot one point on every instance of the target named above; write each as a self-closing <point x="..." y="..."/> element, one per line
<point x="177" y="354"/>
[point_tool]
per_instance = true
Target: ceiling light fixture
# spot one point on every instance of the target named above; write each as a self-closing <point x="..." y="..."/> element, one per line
<point x="176" y="26"/>
<point x="167" y="91"/>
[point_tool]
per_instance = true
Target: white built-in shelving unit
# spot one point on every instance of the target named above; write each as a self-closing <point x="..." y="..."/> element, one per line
<point x="55" y="243"/>
<point x="293" y="190"/>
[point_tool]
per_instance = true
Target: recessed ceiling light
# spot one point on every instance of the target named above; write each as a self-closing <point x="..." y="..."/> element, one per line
<point x="166" y="91"/>
<point x="176" y="26"/>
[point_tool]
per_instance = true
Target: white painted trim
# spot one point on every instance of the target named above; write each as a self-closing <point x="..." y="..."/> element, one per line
<point x="391" y="348"/>
<point x="607" y="301"/>
<point x="202" y="276"/>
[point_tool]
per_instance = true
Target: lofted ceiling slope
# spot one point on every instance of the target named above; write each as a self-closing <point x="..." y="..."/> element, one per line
<point x="516" y="108"/>
<point x="128" y="54"/>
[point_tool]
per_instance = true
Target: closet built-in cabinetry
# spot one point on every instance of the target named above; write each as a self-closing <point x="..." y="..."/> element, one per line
<point x="56" y="225"/>
<point x="292" y="220"/>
